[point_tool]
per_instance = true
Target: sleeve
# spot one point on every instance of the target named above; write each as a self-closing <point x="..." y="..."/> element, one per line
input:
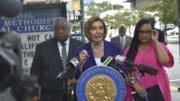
<point x="171" y="58"/>
<point x="78" y="71"/>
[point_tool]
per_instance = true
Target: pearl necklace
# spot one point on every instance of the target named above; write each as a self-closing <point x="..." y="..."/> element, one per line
<point x="99" y="50"/>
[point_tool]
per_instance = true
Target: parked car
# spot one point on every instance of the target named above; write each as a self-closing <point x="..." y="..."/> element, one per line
<point x="78" y="36"/>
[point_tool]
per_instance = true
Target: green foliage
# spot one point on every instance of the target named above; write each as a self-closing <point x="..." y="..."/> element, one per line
<point x="75" y="25"/>
<point x="127" y="18"/>
<point x="95" y="9"/>
<point x="117" y="6"/>
<point x="110" y="21"/>
<point x="166" y="9"/>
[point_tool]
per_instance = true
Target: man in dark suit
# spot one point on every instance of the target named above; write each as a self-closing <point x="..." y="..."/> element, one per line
<point x="122" y="40"/>
<point x="48" y="62"/>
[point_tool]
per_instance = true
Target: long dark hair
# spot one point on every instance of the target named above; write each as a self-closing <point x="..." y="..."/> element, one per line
<point x="135" y="41"/>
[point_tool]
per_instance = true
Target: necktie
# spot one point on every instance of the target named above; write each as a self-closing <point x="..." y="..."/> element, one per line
<point x="64" y="55"/>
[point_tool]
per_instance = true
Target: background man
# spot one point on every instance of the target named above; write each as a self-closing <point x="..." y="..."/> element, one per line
<point x="122" y="40"/>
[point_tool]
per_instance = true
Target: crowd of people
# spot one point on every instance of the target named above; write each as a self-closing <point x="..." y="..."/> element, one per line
<point x="51" y="69"/>
<point x="50" y="61"/>
<point x="143" y="48"/>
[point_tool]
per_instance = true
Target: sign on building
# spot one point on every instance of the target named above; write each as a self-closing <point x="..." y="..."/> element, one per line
<point x="33" y="25"/>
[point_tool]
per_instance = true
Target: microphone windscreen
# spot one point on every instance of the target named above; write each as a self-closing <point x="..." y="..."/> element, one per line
<point x="103" y="58"/>
<point x="10" y="8"/>
<point x="74" y="61"/>
<point x="120" y="58"/>
<point x="107" y="60"/>
<point x="147" y="69"/>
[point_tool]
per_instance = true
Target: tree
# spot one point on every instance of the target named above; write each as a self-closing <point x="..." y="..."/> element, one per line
<point x="110" y="21"/>
<point x="166" y="9"/>
<point x="127" y="17"/>
<point x="95" y="9"/>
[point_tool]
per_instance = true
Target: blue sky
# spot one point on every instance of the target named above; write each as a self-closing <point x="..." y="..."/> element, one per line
<point x="88" y="1"/>
<point x="98" y="1"/>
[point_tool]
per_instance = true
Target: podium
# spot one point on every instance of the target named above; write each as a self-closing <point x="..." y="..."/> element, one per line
<point x="101" y="83"/>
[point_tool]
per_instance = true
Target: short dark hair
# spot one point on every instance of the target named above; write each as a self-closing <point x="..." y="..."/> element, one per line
<point x="122" y="28"/>
<point x="61" y="19"/>
<point x="88" y="26"/>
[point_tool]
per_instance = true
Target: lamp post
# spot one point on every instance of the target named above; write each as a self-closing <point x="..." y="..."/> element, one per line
<point x="178" y="19"/>
<point x="82" y="19"/>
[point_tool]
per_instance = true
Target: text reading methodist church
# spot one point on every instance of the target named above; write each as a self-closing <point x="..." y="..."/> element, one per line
<point x="33" y="25"/>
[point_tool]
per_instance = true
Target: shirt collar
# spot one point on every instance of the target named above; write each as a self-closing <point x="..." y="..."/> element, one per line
<point x="65" y="42"/>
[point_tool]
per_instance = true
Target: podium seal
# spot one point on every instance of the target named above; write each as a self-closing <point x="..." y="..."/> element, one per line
<point x="101" y="83"/>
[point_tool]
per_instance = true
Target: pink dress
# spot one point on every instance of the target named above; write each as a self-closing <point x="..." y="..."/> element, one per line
<point x="148" y="57"/>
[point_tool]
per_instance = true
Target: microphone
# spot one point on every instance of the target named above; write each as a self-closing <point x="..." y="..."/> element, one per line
<point x="74" y="62"/>
<point x="141" y="67"/>
<point x="110" y="61"/>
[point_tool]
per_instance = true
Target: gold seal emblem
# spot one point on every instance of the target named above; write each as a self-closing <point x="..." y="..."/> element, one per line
<point x="101" y="88"/>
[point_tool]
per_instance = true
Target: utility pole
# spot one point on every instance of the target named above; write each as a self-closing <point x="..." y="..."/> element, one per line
<point x="82" y="19"/>
<point x="178" y="19"/>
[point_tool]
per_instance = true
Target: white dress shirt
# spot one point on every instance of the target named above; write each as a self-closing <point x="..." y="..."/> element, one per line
<point x="60" y="47"/>
<point x="122" y="40"/>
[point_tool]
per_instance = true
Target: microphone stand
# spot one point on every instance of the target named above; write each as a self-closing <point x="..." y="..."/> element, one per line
<point x="71" y="89"/>
<point x="71" y="81"/>
<point x="71" y="86"/>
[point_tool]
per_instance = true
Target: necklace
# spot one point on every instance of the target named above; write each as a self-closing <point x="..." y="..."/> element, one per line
<point x="98" y="50"/>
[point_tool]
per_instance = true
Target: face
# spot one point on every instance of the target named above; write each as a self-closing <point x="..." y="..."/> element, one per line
<point x="122" y="32"/>
<point x="144" y="33"/>
<point x="61" y="30"/>
<point x="97" y="32"/>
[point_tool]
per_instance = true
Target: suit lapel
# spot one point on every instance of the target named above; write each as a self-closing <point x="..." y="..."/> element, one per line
<point x="72" y="48"/>
<point x="127" y="41"/>
<point x="55" y="51"/>
<point x="117" y="41"/>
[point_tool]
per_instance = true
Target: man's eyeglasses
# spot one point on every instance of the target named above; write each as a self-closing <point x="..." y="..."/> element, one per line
<point x="145" y="32"/>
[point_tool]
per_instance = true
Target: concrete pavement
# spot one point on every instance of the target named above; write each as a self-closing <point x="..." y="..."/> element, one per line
<point x="174" y="73"/>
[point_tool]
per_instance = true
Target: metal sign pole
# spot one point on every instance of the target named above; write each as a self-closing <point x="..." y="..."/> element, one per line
<point x="178" y="20"/>
<point x="82" y="19"/>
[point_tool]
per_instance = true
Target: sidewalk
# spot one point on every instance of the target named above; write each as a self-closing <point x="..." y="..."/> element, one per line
<point x="174" y="87"/>
<point x="175" y="91"/>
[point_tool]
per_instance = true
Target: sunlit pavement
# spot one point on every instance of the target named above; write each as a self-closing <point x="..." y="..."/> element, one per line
<point x="175" y="96"/>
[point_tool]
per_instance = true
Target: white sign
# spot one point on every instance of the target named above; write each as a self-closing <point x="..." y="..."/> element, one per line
<point x="28" y="45"/>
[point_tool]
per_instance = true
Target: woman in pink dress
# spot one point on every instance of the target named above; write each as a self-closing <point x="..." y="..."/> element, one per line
<point x="146" y="49"/>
